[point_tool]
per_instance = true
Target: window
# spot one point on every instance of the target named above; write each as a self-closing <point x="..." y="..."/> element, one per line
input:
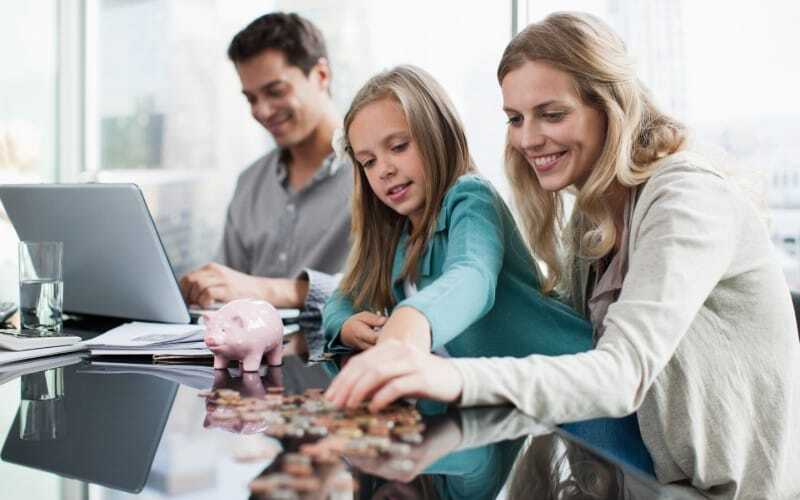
<point x="27" y="112"/>
<point x="168" y="114"/>
<point x="732" y="80"/>
<point x="170" y="117"/>
<point x="458" y="42"/>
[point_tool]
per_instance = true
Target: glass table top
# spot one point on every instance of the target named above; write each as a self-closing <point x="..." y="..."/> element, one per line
<point x="113" y="430"/>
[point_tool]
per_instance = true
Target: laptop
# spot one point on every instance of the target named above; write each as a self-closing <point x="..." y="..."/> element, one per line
<point x="114" y="263"/>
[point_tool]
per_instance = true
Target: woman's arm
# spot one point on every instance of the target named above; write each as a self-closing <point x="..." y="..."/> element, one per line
<point x="684" y="235"/>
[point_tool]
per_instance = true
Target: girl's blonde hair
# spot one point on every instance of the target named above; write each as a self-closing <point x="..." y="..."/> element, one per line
<point x="375" y="231"/>
<point x="637" y="134"/>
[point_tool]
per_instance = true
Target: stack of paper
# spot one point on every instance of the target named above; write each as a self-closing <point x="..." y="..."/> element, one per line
<point x="139" y="338"/>
<point x="163" y="342"/>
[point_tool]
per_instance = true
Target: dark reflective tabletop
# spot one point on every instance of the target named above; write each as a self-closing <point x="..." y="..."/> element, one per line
<point x="134" y="429"/>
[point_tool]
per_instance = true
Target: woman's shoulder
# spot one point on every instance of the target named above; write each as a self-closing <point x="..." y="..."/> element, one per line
<point x="685" y="163"/>
<point x="689" y="173"/>
<point x="690" y="179"/>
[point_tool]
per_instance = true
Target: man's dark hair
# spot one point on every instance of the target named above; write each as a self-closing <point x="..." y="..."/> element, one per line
<point x="299" y="40"/>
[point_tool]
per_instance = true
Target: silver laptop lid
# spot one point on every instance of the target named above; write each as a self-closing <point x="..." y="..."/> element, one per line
<point x="114" y="263"/>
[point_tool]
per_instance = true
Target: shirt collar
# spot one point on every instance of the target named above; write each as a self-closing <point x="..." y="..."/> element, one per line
<point x="330" y="165"/>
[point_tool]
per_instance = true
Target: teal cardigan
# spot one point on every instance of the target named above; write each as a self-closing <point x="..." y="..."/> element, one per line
<point x="478" y="285"/>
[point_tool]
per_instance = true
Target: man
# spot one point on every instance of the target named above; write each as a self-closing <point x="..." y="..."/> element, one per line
<point x="288" y="223"/>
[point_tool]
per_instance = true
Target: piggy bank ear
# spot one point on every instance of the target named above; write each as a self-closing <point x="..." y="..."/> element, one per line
<point x="237" y="321"/>
<point x="206" y="319"/>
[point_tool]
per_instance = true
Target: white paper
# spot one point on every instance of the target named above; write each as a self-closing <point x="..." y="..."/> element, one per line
<point x="285" y="313"/>
<point x="13" y="356"/>
<point x="140" y="334"/>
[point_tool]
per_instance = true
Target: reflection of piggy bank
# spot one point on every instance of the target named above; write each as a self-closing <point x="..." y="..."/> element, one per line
<point x="244" y="330"/>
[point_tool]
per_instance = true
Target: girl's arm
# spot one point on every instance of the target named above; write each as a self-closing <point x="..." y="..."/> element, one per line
<point x="337" y="310"/>
<point x="465" y="290"/>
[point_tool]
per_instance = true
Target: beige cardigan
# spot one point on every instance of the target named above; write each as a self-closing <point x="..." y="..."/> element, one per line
<point x="702" y="344"/>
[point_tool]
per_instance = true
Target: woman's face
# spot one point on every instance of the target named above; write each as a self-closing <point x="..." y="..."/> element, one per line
<point x="384" y="148"/>
<point x="558" y="134"/>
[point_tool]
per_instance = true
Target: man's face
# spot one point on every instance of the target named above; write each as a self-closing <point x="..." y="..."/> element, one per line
<point x="282" y="99"/>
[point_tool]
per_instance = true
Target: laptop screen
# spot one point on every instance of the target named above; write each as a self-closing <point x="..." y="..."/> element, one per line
<point x="114" y="263"/>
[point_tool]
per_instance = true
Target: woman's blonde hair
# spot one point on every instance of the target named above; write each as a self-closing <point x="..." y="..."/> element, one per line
<point x="375" y="232"/>
<point x="637" y="134"/>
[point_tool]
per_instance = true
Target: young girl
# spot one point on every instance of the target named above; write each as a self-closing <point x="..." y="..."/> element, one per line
<point x="693" y="319"/>
<point x="433" y="244"/>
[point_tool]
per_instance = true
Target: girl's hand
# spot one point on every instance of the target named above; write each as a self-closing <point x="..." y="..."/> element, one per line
<point x="392" y="370"/>
<point x="359" y="331"/>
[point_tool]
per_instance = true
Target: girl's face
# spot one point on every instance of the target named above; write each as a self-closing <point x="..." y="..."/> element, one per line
<point x="384" y="149"/>
<point x="549" y="125"/>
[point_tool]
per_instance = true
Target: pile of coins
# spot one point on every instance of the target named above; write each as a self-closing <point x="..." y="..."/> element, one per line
<point x="326" y="433"/>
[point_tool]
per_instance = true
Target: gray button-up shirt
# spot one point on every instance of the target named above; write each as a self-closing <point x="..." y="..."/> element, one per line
<point x="275" y="232"/>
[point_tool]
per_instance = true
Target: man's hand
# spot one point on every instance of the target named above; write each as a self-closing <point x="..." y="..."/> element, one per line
<point x="217" y="283"/>
<point x="359" y="331"/>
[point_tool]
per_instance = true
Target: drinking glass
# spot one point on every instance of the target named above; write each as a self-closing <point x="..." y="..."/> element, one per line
<point x="41" y="294"/>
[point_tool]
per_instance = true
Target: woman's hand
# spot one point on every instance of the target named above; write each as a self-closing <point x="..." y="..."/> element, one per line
<point x="392" y="370"/>
<point x="360" y="330"/>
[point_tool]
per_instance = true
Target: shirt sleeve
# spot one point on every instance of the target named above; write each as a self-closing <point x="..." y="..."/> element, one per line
<point x="682" y="248"/>
<point x="320" y="288"/>
<point x="232" y="252"/>
<point x="465" y="291"/>
<point x="337" y="310"/>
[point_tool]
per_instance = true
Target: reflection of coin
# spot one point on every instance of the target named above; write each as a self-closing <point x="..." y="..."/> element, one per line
<point x="351" y="432"/>
<point x="401" y="464"/>
<point x="296" y="464"/>
<point x="317" y="431"/>
<point x="251" y="416"/>
<point x="343" y="482"/>
<point x="283" y="494"/>
<point x="305" y="484"/>
<point x="223" y="413"/>
<point x="398" y="449"/>
<point x="269" y="483"/>
<point x="411" y="437"/>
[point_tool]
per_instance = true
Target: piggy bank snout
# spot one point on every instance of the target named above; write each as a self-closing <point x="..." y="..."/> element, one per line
<point x="214" y="338"/>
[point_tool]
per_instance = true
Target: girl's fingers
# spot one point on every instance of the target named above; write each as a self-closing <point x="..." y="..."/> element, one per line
<point x="373" y="319"/>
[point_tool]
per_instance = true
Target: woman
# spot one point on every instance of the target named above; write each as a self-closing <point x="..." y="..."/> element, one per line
<point x="693" y="321"/>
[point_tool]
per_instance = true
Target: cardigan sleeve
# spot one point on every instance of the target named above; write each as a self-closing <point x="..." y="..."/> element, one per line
<point x="465" y="291"/>
<point x="681" y="247"/>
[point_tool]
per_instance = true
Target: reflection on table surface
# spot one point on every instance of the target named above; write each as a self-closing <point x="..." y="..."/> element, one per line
<point x="146" y="428"/>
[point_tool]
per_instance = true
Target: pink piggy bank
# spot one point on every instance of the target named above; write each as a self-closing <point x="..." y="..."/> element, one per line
<point x="244" y="330"/>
